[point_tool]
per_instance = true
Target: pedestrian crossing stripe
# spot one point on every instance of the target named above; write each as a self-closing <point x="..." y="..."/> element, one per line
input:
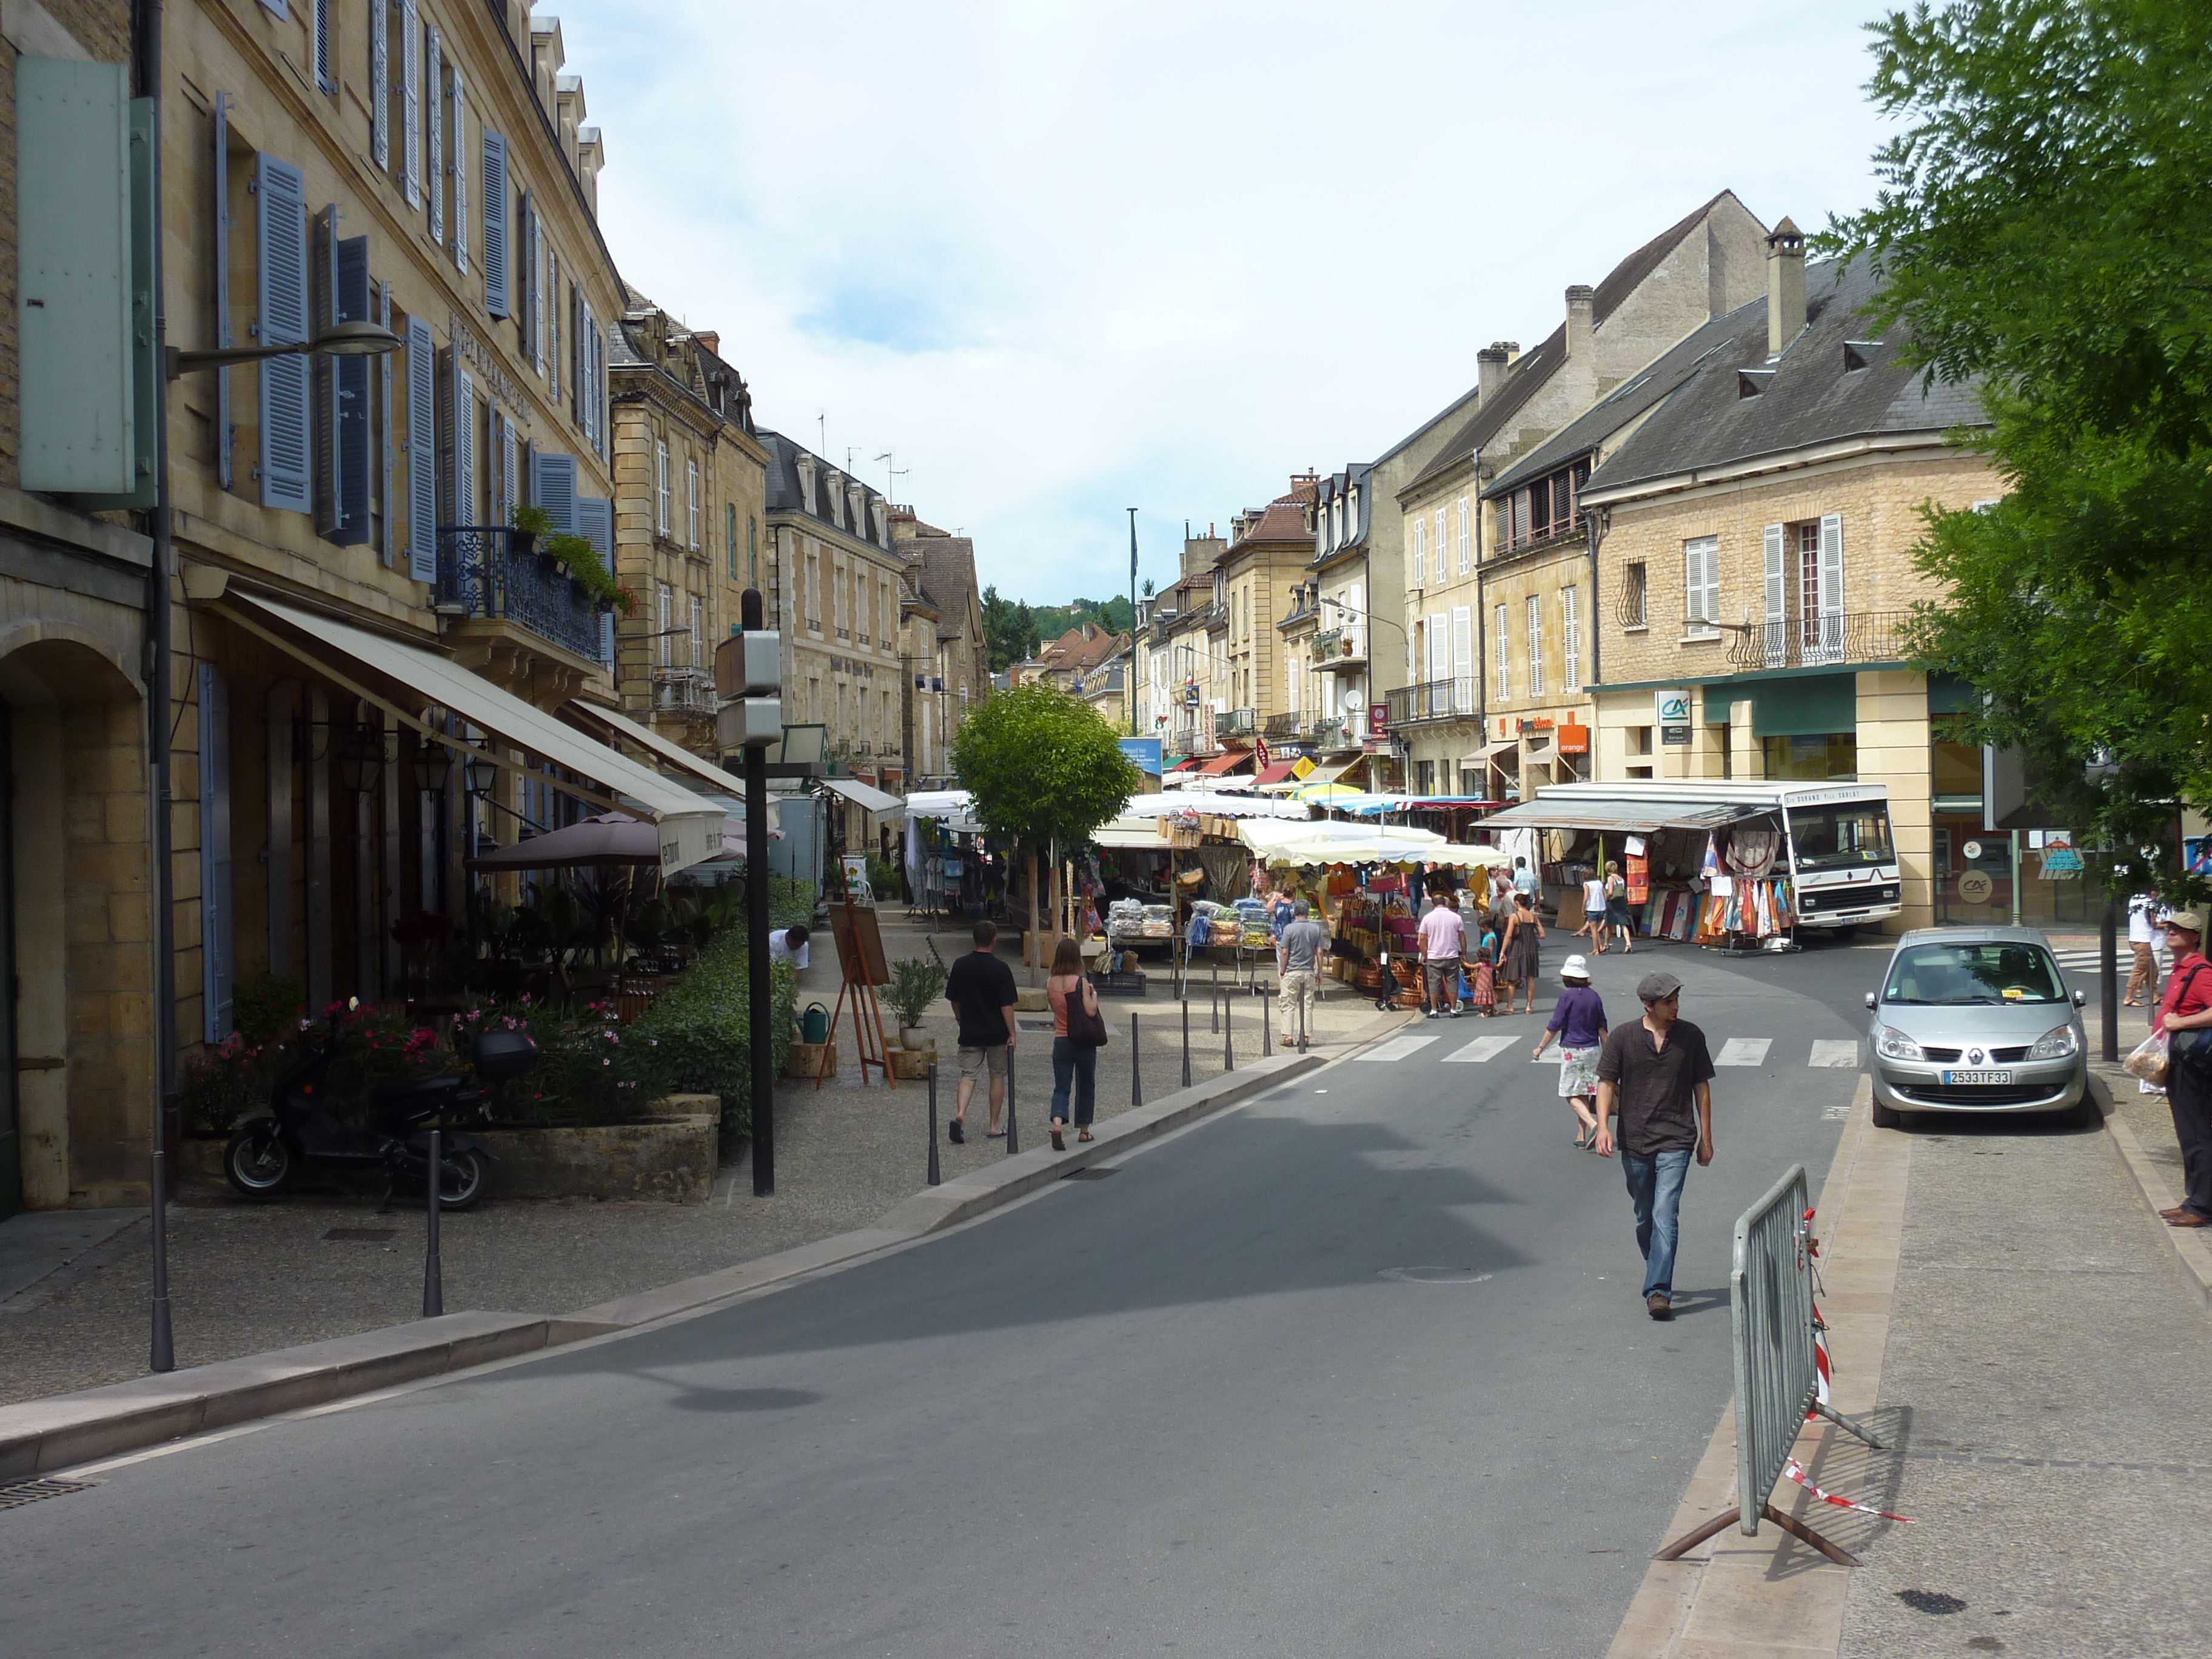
<point x="1396" y="1048"/>
<point x="1838" y="1053"/>
<point x="1482" y="1048"/>
<point x="1743" y="1051"/>
<point x="1830" y="1051"/>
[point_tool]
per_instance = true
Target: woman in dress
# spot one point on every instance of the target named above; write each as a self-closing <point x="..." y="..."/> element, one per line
<point x="1517" y="965"/>
<point x="1578" y="1022"/>
<point x="1616" y="907"/>
<point x="1073" y="1063"/>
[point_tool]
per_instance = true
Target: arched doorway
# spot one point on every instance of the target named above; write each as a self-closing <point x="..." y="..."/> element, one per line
<point x="76" y="928"/>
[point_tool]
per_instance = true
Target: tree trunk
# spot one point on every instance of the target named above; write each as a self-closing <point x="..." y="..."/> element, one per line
<point x="1034" y="977"/>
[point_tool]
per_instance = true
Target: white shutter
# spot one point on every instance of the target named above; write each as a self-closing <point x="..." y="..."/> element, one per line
<point x="697" y="625"/>
<point x="1535" y="646"/>
<point x="461" y="440"/>
<point x="1463" y="667"/>
<point x="1420" y="553"/>
<point x="457" y="163"/>
<point x="1831" y="587"/>
<point x="1466" y="555"/>
<point x="410" y="100"/>
<point x="510" y="470"/>
<point x="380" y="85"/>
<point x="422" y="454"/>
<point x="434" y="119"/>
<point x="1439" y="647"/>
<point x="1504" y="654"/>
<point x="1777" y="595"/>
<point x="287" y="441"/>
<point x="553" y="326"/>
<point x="1571" y="635"/>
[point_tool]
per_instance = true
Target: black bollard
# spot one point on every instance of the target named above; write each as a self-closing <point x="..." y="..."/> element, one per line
<point x="1267" y="1033"/>
<point x="1013" y="1137"/>
<point x="1186" y="1045"/>
<point x="936" y="1175"/>
<point x="434" y="1277"/>
<point x="1136" y="1066"/>
<point x="1228" y="1038"/>
<point x="1213" y="999"/>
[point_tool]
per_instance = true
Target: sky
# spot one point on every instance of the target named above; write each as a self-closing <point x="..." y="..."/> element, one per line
<point x="1060" y="259"/>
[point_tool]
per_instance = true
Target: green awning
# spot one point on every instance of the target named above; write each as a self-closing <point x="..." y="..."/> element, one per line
<point x="1812" y="706"/>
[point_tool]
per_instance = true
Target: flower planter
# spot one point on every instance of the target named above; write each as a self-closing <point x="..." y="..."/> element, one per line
<point x="915" y="1037"/>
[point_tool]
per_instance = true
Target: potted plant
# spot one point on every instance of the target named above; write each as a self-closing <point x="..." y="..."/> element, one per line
<point x="915" y="983"/>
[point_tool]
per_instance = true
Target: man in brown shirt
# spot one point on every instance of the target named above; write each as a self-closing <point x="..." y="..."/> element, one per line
<point x="1656" y="1075"/>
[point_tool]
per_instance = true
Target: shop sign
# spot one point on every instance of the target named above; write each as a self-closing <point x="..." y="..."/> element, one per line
<point x="1574" y="739"/>
<point x="1379" y="718"/>
<point x="1259" y="764"/>
<point x="2061" y="859"/>
<point x="1304" y="768"/>
<point x="1671" y="714"/>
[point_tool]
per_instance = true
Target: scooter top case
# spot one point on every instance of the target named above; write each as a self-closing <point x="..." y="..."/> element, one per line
<point x="499" y="1055"/>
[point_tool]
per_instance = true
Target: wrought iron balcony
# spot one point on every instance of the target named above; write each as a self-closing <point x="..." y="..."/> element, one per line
<point x="1237" y="723"/>
<point x="685" y="690"/>
<point x="1329" y="733"/>
<point x="1281" y="726"/>
<point x="1457" y="699"/>
<point x="1850" y="636"/>
<point x="493" y="572"/>
<point x="1339" y="647"/>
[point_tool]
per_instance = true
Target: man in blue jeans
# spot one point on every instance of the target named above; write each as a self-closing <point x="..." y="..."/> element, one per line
<point x="1657" y="1076"/>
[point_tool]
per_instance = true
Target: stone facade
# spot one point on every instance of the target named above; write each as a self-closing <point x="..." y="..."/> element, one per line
<point x="945" y="661"/>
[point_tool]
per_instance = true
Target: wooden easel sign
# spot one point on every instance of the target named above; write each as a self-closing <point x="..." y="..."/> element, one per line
<point x="861" y="967"/>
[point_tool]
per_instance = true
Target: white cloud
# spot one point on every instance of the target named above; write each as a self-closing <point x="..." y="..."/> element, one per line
<point x="1065" y="258"/>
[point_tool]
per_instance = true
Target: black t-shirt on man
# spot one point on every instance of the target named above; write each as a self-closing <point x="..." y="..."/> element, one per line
<point x="980" y="987"/>
<point x="1655" y="1089"/>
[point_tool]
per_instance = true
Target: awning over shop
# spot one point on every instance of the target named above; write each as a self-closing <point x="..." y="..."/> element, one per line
<point x="1276" y="772"/>
<point x="1189" y="764"/>
<point x="609" y="723"/>
<point x="1491" y="750"/>
<point x="1222" y="765"/>
<point x="1127" y="834"/>
<point x="1628" y="817"/>
<point x="690" y="828"/>
<point x="867" y="796"/>
<point x="1220" y="806"/>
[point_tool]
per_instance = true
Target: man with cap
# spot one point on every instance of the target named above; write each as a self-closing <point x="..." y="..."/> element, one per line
<point x="1302" y="945"/>
<point x="1655" y="1074"/>
<point x="2186" y="1010"/>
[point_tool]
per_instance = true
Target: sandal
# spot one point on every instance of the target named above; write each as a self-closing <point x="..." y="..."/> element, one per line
<point x="994" y="1135"/>
<point x="1084" y="1134"/>
<point x="1059" y="1142"/>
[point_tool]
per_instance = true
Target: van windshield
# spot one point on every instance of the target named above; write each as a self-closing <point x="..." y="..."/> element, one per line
<point x="1956" y="975"/>
<point x="1841" y="837"/>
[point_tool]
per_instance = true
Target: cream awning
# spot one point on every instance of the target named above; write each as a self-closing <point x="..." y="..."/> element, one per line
<point x="866" y="795"/>
<point x="690" y="828"/>
<point x="629" y="731"/>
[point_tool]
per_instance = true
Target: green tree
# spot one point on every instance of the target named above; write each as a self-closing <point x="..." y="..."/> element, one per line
<point x="1009" y="631"/>
<point x="1044" y="770"/>
<point x="2040" y="229"/>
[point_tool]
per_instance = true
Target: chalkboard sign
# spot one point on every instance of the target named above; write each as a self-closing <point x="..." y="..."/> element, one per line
<point x="860" y="959"/>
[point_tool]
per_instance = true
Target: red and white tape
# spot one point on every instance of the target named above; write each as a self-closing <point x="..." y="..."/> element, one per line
<point x="1796" y="1472"/>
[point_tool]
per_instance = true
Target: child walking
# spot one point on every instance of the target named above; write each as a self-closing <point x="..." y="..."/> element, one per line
<point x="1484" y="982"/>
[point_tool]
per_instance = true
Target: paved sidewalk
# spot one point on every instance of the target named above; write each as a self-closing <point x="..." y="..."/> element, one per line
<point x="249" y="1277"/>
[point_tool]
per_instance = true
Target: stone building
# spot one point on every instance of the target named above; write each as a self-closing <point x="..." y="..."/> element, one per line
<point x="947" y="662"/>
<point x="1190" y="620"/>
<point x="1754" y="538"/>
<point x="690" y="508"/>
<point x="1497" y="595"/>
<point x="77" y="1092"/>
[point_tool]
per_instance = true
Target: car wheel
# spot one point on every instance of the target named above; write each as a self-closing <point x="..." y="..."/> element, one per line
<point x="1886" y="1117"/>
<point x="1843" y="935"/>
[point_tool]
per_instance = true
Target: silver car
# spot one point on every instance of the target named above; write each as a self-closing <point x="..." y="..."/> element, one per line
<point x="1976" y="1019"/>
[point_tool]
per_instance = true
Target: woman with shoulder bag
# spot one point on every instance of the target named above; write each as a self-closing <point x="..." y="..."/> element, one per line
<point x="2185" y="1014"/>
<point x="1078" y="1031"/>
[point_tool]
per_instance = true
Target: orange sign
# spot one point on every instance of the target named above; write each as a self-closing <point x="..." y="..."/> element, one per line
<point x="1574" y="739"/>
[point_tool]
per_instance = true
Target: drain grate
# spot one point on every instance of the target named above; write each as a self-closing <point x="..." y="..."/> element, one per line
<point x="1089" y="1172"/>
<point x="30" y="1492"/>
<point x="363" y="1235"/>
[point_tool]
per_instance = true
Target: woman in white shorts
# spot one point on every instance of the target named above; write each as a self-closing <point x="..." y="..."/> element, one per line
<point x="1578" y="1022"/>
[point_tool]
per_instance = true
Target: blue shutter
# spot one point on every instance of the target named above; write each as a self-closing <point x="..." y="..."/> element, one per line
<point x="607" y="638"/>
<point x="553" y="488"/>
<point x="380" y="84"/>
<point x="461" y="440"/>
<point x="421" y="453"/>
<point x="433" y="121"/>
<point x="353" y="295"/>
<point x="595" y="523"/>
<point x="222" y="122"/>
<point x="385" y="452"/>
<point x="286" y="478"/>
<point x="495" y="222"/>
<point x="323" y="76"/>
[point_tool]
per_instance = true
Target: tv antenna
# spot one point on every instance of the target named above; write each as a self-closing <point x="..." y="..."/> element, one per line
<point x="891" y="474"/>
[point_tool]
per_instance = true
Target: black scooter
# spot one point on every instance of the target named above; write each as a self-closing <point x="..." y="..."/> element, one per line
<point x="267" y="1153"/>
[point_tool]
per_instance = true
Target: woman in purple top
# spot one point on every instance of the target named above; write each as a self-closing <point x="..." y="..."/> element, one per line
<point x="1578" y="1022"/>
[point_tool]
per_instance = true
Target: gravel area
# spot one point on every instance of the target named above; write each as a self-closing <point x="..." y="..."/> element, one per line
<point x="245" y="1277"/>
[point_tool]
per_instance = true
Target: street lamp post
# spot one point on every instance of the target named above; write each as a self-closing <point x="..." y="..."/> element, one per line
<point x="1133" y="622"/>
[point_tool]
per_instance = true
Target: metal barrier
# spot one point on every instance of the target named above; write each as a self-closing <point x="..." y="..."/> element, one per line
<point x="1776" y="1376"/>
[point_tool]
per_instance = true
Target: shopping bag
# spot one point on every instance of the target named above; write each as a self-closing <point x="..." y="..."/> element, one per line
<point x="2147" y="1059"/>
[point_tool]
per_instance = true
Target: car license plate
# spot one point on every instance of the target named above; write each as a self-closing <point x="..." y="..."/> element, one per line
<point x="1954" y="1078"/>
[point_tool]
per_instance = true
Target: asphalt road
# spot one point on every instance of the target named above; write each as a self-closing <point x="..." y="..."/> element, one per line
<point x="1361" y="1368"/>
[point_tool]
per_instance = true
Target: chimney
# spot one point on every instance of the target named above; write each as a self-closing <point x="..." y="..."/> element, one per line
<point x="1489" y="369"/>
<point x="713" y="341"/>
<point x="1785" y="287"/>
<point x="1580" y="374"/>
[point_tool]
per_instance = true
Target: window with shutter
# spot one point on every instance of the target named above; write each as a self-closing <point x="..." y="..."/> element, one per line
<point x="324" y="79"/>
<point x="352" y="463"/>
<point x="1466" y="557"/>
<point x="752" y="551"/>
<point x="495" y="222"/>
<point x="216" y="918"/>
<point x="660" y="487"/>
<point x="1535" y="646"/>
<point x="459" y="444"/>
<point x="533" y="282"/>
<point x="220" y="121"/>
<point x="1570" y="636"/>
<point x="384" y="515"/>
<point x="457" y="164"/>
<point x="697" y="632"/>
<point x="380" y="85"/>
<point x="730" y="535"/>
<point x="1462" y="662"/>
<point x="423" y="450"/>
<point x="691" y="500"/>
<point x="665" y="629"/>
<point x="281" y="222"/>
<point x="595" y="523"/>
<point x="1420" y="553"/>
<point x="410" y="102"/>
<point x="1777" y="594"/>
<point x="322" y="369"/>
<point x="1830" y="587"/>
<point x="553" y="326"/>
<point x="433" y="77"/>
<point x="553" y="488"/>
<point x="510" y="470"/>
<point x="1504" y="655"/>
<point x="1439" y="631"/>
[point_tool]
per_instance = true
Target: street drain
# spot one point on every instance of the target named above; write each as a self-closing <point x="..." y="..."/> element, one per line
<point x="1089" y="1172"/>
<point x="363" y="1235"/>
<point x="1930" y="1601"/>
<point x="30" y="1492"/>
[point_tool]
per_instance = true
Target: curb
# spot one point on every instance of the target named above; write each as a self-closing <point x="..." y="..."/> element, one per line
<point x="38" y="1436"/>
<point x="2188" y="1243"/>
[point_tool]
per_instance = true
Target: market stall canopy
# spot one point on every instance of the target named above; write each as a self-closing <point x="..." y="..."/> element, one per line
<point x="1346" y="843"/>
<point x="1222" y="765"/>
<point x="1130" y="833"/>
<point x="1630" y="817"/>
<point x="1219" y="806"/>
<point x="867" y="796"/>
<point x="688" y="828"/>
